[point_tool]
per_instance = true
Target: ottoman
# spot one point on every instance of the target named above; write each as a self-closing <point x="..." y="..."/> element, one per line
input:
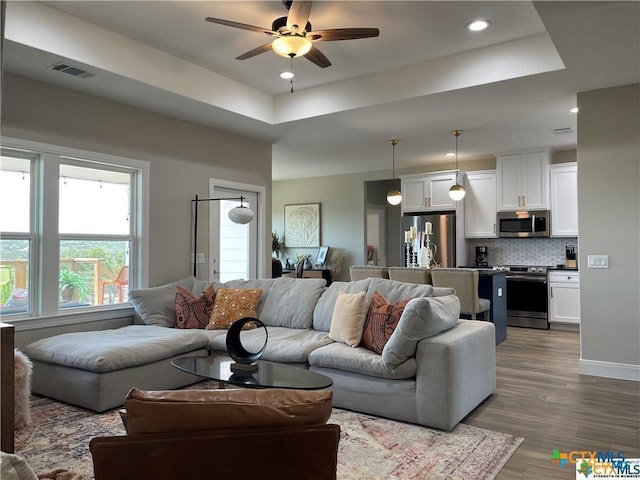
<point x="97" y="369"/>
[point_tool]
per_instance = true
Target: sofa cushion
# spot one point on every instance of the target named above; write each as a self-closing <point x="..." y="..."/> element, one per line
<point x="157" y="305"/>
<point x="360" y="360"/>
<point x="232" y="304"/>
<point x="348" y="317"/>
<point x="291" y="301"/>
<point x="287" y="345"/>
<point x="423" y="317"/>
<point x="262" y="284"/>
<point x="193" y="410"/>
<point x="109" y="350"/>
<point x="323" y="311"/>
<point x="381" y="321"/>
<point x="193" y="311"/>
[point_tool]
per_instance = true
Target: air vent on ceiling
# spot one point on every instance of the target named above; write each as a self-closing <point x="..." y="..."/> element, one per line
<point x="562" y="131"/>
<point x="68" y="69"/>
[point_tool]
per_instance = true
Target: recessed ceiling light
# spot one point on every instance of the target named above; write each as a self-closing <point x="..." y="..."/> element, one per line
<point x="287" y="75"/>
<point x="449" y="154"/>
<point x="574" y="110"/>
<point x="478" y="25"/>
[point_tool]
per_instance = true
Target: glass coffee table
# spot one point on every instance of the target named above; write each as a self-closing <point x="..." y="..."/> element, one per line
<point x="268" y="375"/>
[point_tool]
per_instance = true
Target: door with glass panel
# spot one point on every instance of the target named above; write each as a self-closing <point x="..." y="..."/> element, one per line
<point x="233" y="248"/>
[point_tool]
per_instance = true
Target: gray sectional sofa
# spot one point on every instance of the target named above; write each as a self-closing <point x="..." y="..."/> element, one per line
<point x="434" y="370"/>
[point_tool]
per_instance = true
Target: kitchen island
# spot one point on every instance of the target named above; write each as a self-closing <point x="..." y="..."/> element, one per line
<point x="492" y="285"/>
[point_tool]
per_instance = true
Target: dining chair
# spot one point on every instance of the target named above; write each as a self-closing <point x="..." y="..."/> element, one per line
<point x="465" y="282"/>
<point x="419" y="275"/>
<point x="359" y="272"/>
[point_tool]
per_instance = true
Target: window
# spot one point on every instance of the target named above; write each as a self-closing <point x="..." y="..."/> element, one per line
<point x="94" y="213"/>
<point x="15" y="230"/>
<point x="74" y="222"/>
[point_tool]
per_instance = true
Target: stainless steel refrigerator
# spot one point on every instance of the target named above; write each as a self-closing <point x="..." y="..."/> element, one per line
<point x="443" y="227"/>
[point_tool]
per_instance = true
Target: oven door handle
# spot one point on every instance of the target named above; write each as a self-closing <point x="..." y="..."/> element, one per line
<point x="527" y="279"/>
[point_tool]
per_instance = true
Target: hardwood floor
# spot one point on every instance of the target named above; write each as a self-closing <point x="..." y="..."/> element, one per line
<point x="540" y="396"/>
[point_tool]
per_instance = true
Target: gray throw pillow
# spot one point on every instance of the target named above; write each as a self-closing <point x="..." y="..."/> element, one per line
<point x="423" y="317"/>
<point x="157" y="305"/>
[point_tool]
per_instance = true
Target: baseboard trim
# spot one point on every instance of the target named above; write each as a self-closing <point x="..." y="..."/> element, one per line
<point x="621" y="371"/>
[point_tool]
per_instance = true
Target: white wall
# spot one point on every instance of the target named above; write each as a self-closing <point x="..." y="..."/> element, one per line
<point x="342" y="213"/>
<point x="182" y="155"/>
<point x="609" y="215"/>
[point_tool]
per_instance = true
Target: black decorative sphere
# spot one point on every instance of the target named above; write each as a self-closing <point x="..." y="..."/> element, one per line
<point x="234" y="345"/>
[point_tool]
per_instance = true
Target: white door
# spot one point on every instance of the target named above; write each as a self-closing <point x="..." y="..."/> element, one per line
<point x="376" y="235"/>
<point x="233" y="248"/>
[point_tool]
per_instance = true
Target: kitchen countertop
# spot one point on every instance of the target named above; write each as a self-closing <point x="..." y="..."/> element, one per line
<point x="562" y="267"/>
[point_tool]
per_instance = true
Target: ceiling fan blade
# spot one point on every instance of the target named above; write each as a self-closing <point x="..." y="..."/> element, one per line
<point x="316" y="56"/>
<point x="243" y="26"/>
<point x="342" y="34"/>
<point x="298" y="16"/>
<point x="254" y="52"/>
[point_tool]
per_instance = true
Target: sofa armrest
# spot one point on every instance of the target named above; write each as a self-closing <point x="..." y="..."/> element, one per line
<point x="307" y="452"/>
<point x="456" y="371"/>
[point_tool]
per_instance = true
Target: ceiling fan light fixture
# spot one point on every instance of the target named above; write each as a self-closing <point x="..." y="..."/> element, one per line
<point x="291" y="46"/>
<point x="287" y="75"/>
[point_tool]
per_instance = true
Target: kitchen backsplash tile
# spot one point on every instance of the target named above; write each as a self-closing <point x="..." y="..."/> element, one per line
<point x="523" y="251"/>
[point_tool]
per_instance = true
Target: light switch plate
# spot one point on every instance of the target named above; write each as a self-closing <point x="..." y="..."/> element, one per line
<point x="597" y="261"/>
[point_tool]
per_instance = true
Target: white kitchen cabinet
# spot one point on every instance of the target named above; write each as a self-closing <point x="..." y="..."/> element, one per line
<point x="564" y="299"/>
<point x="427" y="192"/>
<point x="523" y="181"/>
<point x="563" y="184"/>
<point x="480" y="204"/>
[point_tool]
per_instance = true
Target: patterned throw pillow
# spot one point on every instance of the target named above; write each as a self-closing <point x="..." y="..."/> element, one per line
<point x="233" y="304"/>
<point x="382" y="319"/>
<point x="192" y="311"/>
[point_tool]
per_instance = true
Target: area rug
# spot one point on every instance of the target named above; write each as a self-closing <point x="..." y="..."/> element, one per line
<point x="370" y="447"/>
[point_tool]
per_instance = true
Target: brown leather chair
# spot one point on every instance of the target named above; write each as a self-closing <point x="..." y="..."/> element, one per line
<point x="289" y="437"/>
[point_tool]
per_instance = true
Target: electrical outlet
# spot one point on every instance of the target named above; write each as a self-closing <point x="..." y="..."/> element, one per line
<point x="597" y="261"/>
<point x="200" y="258"/>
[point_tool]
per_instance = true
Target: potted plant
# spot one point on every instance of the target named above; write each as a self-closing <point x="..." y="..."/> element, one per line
<point x="277" y="244"/>
<point x="71" y="283"/>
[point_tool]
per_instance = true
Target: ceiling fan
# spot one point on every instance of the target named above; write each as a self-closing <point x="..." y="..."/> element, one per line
<point x="294" y="36"/>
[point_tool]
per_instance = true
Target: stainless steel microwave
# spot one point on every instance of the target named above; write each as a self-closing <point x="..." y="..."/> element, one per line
<point x="524" y="223"/>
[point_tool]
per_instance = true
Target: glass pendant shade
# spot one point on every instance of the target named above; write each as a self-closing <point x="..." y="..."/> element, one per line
<point x="241" y="215"/>
<point x="394" y="197"/>
<point x="456" y="192"/>
<point x="291" y="46"/>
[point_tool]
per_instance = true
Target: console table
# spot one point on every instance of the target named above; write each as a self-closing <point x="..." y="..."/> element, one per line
<point x="314" y="273"/>
<point x="318" y="273"/>
<point x="7" y="382"/>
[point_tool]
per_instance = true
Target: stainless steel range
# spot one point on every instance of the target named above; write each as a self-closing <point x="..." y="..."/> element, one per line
<point x="527" y="295"/>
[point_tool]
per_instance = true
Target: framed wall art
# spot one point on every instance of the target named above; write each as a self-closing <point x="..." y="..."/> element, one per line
<point x="302" y="225"/>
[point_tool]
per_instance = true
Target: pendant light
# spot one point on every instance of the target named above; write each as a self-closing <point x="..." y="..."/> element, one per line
<point x="394" y="197"/>
<point x="456" y="192"/>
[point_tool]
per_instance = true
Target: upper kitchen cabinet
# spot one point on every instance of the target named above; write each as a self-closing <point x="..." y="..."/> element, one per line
<point x="564" y="199"/>
<point x="480" y="204"/>
<point x="427" y="192"/>
<point x="523" y="181"/>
